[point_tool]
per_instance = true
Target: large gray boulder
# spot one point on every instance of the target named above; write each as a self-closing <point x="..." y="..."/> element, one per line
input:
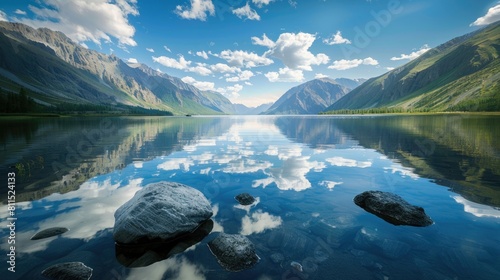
<point x="70" y="270"/>
<point x="234" y="252"/>
<point x="392" y="208"/>
<point x="160" y="211"/>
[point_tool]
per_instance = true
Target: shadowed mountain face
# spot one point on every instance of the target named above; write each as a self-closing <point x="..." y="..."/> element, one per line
<point x="460" y="75"/>
<point x="57" y="70"/>
<point x="309" y="98"/>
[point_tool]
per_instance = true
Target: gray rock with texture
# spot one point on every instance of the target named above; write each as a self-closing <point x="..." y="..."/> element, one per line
<point x="392" y="208"/>
<point x="234" y="252"/>
<point x="162" y="210"/>
<point x="70" y="270"/>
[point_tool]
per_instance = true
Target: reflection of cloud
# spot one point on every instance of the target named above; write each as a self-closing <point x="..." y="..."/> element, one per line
<point x="180" y="267"/>
<point x="217" y="227"/>
<point x="247" y="207"/>
<point x="340" y="161"/>
<point x="403" y="171"/>
<point x="292" y="175"/>
<point x="246" y="166"/>
<point x="259" y="222"/>
<point x="477" y="209"/>
<point x="85" y="211"/>
<point x="272" y="150"/>
<point x="138" y="164"/>
<point x="176" y="163"/>
<point x="329" y="184"/>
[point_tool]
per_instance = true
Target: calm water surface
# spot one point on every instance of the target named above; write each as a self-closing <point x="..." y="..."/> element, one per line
<point x="304" y="172"/>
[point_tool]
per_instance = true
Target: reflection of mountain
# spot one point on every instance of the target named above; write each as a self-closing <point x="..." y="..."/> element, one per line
<point x="458" y="151"/>
<point x="59" y="155"/>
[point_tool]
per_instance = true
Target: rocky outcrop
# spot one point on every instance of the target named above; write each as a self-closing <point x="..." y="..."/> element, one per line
<point x="46" y="233"/>
<point x="234" y="252"/>
<point x="70" y="270"/>
<point x="160" y="211"/>
<point x="392" y="208"/>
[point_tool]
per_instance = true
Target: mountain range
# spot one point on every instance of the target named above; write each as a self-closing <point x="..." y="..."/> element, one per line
<point x="460" y="75"/>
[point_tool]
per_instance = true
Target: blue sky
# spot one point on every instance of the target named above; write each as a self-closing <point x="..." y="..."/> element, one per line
<point x="252" y="51"/>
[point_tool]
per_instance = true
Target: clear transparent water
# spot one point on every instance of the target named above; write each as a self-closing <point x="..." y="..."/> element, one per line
<point x="304" y="172"/>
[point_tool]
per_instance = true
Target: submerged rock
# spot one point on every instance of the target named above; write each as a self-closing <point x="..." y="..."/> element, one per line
<point x="160" y="211"/>
<point x="234" y="252"/>
<point x="46" y="233"/>
<point x="245" y="199"/>
<point x="392" y="208"/>
<point x="69" y="270"/>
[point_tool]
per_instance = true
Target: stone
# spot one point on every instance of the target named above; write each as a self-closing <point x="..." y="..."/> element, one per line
<point x="69" y="270"/>
<point x="245" y="199"/>
<point x="159" y="212"/>
<point x="234" y="252"/>
<point x="277" y="258"/>
<point x="392" y="208"/>
<point x="46" y="233"/>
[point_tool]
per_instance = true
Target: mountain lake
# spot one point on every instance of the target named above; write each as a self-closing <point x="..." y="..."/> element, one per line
<point x="304" y="172"/>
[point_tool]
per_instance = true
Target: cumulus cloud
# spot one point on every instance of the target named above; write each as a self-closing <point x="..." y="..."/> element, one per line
<point x="198" y="10"/>
<point x="412" y="55"/>
<point x="202" y="54"/>
<point x="336" y="39"/>
<point x="344" y="64"/>
<point x="329" y="184"/>
<point x="246" y="12"/>
<point x="203" y="86"/>
<point x="150" y="50"/>
<point x="345" y="162"/>
<point x="242" y="76"/>
<point x="265" y="41"/>
<point x="293" y="50"/>
<point x="223" y="68"/>
<point x="319" y="76"/>
<point x="285" y="75"/>
<point x="3" y="16"/>
<point x="231" y="92"/>
<point x="20" y="12"/>
<point x="241" y="58"/>
<point x="182" y="64"/>
<point x="261" y="3"/>
<point x="259" y="222"/>
<point x="132" y="60"/>
<point x="108" y="20"/>
<point x="491" y="16"/>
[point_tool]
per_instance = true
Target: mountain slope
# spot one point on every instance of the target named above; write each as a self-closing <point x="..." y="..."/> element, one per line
<point x="462" y="74"/>
<point x="308" y="98"/>
<point x="58" y="70"/>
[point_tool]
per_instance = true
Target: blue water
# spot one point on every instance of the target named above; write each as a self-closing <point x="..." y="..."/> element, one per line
<point x="304" y="173"/>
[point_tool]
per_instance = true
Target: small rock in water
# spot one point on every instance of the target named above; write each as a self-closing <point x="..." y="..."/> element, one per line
<point x="234" y="252"/>
<point x="277" y="258"/>
<point x="297" y="266"/>
<point x="392" y="208"/>
<point x="49" y="233"/>
<point x="70" y="270"/>
<point x="245" y="199"/>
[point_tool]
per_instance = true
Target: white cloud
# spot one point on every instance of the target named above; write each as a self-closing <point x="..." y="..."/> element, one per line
<point x="3" y="16"/>
<point x="293" y="50"/>
<point x="476" y="209"/>
<point x="246" y="12"/>
<point x="181" y="64"/>
<point x="259" y="222"/>
<point x="285" y="75"/>
<point x="202" y="54"/>
<point x="336" y="39"/>
<point x="203" y="86"/>
<point x="319" y="76"/>
<point x="261" y="3"/>
<point x="132" y="60"/>
<point x="389" y="68"/>
<point x="167" y="49"/>
<point x="200" y="69"/>
<point x="20" y="12"/>
<point x="109" y="19"/>
<point x="491" y="16"/>
<point x="412" y="55"/>
<point x="329" y="184"/>
<point x="265" y="41"/>
<point x="241" y="58"/>
<point x="198" y="10"/>
<point x="242" y="76"/>
<point x="224" y="68"/>
<point x="231" y="92"/>
<point x="344" y="64"/>
<point x="150" y="50"/>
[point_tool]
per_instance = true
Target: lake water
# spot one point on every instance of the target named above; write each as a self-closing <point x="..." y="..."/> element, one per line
<point x="304" y="172"/>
